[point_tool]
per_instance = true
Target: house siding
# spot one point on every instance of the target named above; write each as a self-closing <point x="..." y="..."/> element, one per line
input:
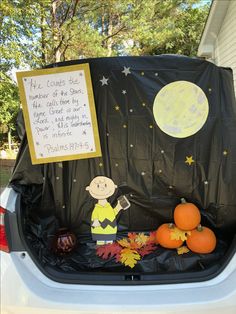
<point x="225" y="45"/>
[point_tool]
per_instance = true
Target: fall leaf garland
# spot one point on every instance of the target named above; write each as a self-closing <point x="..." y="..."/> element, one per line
<point x="129" y="251"/>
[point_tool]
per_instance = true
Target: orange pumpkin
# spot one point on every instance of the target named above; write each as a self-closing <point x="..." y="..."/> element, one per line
<point x="163" y="237"/>
<point x="186" y="216"/>
<point x="201" y="240"/>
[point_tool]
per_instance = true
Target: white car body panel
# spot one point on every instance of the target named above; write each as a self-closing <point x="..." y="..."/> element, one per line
<point x="8" y="199"/>
<point x="25" y="290"/>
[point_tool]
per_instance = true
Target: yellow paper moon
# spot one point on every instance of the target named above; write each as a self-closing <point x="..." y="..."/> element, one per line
<point x="180" y="109"/>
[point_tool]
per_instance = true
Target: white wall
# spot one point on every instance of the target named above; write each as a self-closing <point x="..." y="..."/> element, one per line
<point x="225" y="45"/>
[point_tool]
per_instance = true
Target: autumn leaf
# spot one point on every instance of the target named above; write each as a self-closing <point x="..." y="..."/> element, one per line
<point x="109" y="250"/>
<point x="135" y="241"/>
<point x="129" y="257"/>
<point x="178" y="234"/>
<point x="147" y="249"/>
<point x="129" y="250"/>
<point x="124" y="243"/>
<point x="132" y="240"/>
<point x="135" y="245"/>
<point x="182" y="250"/>
<point x="141" y="239"/>
<point x="152" y="238"/>
<point x="132" y="236"/>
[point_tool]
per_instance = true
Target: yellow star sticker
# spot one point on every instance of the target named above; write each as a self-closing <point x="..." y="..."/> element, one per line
<point x="117" y="107"/>
<point x="189" y="160"/>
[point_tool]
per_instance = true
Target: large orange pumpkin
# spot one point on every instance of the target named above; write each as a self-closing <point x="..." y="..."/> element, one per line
<point x="163" y="237"/>
<point x="186" y="216"/>
<point x="201" y="240"/>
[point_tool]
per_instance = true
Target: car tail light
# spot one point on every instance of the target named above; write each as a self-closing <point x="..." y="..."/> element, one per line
<point x="3" y="237"/>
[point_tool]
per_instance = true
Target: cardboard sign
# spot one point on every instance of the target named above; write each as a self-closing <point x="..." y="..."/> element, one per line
<point x="59" y="113"/>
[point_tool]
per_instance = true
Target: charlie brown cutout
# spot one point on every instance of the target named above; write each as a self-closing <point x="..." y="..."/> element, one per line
<point x="104" y="226"/>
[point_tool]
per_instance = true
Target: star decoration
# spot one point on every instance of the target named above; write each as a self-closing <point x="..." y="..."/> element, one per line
<point x="124" y="91"/>
<point x="100" y="164"/>
<point x="189" y="160"/>
<point x="126" y="71"/>
<point x="104" y="81"/>
<point x="117" y="107"/>
<point x="225" y="152"/>
<point x="142" y="73"/>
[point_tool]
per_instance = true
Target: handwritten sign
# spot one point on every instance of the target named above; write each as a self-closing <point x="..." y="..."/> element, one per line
<point x="59" y="113"/>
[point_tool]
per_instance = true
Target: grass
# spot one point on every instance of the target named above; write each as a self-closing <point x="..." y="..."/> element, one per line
<point x="6" y="167"/>
<point x="5" y="174"/>
<point x="7" y="160"/>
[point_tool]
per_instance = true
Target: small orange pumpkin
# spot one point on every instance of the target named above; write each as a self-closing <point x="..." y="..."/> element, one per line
<point x="201" y="240"/>
<point x="163" y="237"/>
<point x="186" y="216"/>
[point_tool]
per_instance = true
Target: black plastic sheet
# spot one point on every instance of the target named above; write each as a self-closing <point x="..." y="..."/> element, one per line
<point x="41" y="234"/>
<point x="209" y="183"/>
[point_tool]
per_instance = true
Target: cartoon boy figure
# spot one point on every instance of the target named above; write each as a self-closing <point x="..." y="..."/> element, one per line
<point x="104" y="226"/>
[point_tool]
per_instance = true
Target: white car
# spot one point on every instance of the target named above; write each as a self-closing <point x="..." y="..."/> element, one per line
<point x="153" y="170"/>
<point x="25" y="289"/>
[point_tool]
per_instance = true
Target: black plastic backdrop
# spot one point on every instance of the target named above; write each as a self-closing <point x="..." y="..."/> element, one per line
<point x="58" y="189"/>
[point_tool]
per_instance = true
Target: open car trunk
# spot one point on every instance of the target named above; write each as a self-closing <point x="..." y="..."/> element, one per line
<point x="148" y="166"/>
